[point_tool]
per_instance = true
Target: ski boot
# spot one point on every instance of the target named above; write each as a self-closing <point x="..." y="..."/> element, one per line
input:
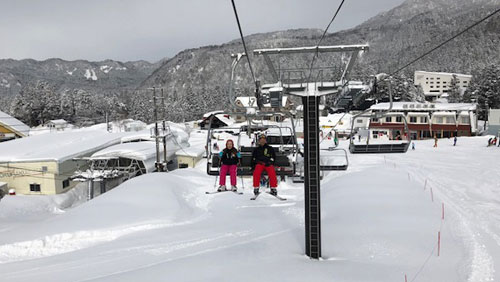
<point x="234" y="188"/>
<point x="274" y="192"/>
<point x="221" y="188"/>
<point x="256" y="191"/>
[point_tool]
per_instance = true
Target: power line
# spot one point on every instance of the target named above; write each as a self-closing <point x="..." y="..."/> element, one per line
<point x="321" y="39"/>
<point x="244" y="44"/>
<point x="445" y="42"/>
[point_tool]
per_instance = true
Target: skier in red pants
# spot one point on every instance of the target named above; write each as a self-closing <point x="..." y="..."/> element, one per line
<point x="263" y="158"/>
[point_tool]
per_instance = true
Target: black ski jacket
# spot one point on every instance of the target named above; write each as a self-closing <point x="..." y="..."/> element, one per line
<point x="263" y="155"/>
<point x="230" y="157"/>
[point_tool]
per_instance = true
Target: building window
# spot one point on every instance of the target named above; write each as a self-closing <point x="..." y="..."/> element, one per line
<point x="450" y="120"/>
<point x="465" y="120"/>
<point x="432" y="86"/>
<point x="388" y="119"/>
<point x="399" y="119"/>
<point x="65" y="183"/>
<point x="374" y="119"/>
<point x="423" y="119"/>
<point x="413" y="119"/>
<point x="438" y="78"/>
<point x="439" y="120"/>
<point x="359" y="121"/>
<point x="35" y="187"/>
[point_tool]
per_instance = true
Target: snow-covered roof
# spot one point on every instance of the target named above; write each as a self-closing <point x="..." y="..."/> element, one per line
<point x="444" y="73"/>
<point x="135" y="150"/>
<point x="335" y="120"/>
<point x="191" y="152"/>
<point x="415" y="106"/>
<point x="248" y="102"/>
<point x="224" y="119"/>
<point x="14" y="124"/>
<point x="58" y="121"/>
<point x="206" y="115"/>
<point x="57" y="147"/>
<point x="445" y="114"/>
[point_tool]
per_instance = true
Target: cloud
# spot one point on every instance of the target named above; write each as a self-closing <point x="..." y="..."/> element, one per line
<point x="154" y="29"/>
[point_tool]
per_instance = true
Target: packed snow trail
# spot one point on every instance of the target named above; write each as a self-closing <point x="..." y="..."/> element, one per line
<point x="378" y="225"/>
<point x="467" y="179"/>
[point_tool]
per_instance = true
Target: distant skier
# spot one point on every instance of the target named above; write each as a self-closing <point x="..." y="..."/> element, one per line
<point x="230" y="158"/>
<point x="336" y="141"/>
<point x="413" y="145"/>
<point x="263" y="158"/>
<point x="435" y="140"/>
<point x="455" y="141"/>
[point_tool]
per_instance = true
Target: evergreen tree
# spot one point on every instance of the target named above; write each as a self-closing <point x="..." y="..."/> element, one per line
<point x="36" y="103"/>
<point x="484" y="90"/>
<point x="454" y="93"/>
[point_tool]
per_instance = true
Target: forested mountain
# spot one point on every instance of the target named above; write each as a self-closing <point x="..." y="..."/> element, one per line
<point x="81" y="74"/>
<point x="196" y="80"/>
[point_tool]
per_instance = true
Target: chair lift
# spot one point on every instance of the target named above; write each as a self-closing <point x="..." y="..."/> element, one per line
<point x="334" y="166"/>
<point x="285" y="157"/>
<point x="391" y="146"/>
<point x="286" y="145"/>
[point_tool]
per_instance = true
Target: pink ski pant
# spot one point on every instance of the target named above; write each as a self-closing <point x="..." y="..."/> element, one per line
<point x="232" y="172"/>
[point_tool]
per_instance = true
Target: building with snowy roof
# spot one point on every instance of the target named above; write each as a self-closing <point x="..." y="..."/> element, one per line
<point x="219" y="119"/>
<point x="44" y="164"/>
<point x="426" y="120"/>
<point x="436" y="84"/>
<point x="12" y="128"/>
<point x="57" y="124"/>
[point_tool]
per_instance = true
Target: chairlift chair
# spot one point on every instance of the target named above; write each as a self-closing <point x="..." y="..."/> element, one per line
<point x="391" y="146"/>
<point x="286" y="153"/>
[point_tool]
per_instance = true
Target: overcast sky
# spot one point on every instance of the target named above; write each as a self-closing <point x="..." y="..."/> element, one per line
<point x="153" y="29"/>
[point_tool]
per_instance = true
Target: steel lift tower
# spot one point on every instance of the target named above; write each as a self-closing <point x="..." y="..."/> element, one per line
<point x="310" y="93"/>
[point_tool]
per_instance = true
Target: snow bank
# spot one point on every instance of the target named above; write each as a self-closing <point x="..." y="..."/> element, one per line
<point x="152" y="201"/>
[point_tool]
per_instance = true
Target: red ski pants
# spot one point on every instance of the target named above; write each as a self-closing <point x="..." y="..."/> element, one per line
<point x="232" y="172"/>
<point x="273" y="182"/>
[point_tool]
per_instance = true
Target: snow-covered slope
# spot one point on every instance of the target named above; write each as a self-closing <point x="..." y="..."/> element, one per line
<point x="379" y="223"/>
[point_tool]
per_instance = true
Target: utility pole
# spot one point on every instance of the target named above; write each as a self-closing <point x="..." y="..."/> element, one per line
<point x="158" y="163"/>
<point x="90" y="187"/>
<point x="164" y="130"/>
<point x="108" y="128"/>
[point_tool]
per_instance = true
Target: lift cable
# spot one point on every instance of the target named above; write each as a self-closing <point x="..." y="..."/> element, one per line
<point x="244" y="44"/>
<point x="445" y="42"/>
<point x="321" y="39"/>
